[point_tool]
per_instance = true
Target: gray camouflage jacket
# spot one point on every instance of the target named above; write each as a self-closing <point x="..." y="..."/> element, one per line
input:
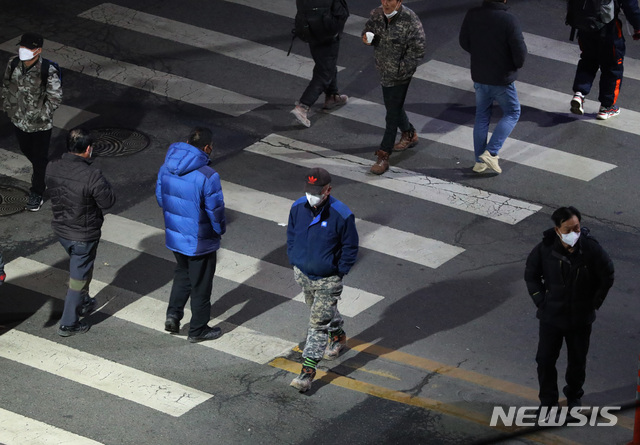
<point x="30" y="106"/>
<point x="399" y="44"/>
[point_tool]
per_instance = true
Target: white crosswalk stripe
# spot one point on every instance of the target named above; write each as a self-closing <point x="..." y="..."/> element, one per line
<point x="20" y="430"/>
<point x="229" y="46"/>
<point x="399" y="180"/>
<point x="232" y="266"/>
<point x="164" y="84"/>
<point x="122" y="381"/>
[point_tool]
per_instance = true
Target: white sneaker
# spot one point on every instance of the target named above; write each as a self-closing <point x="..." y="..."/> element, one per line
<point x="491" y="161"/>
<point x="606" y="113"/>
<point x="577" y="103"/>
<point x="300" y="112"/>
<point x="479" y="167"/>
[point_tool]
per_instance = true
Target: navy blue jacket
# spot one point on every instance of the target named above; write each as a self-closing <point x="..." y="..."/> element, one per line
<point x="189" y="192"/>
<point x="568" y="287"/>
<point x="323" y="245"/>
<point x="493" y="38"/>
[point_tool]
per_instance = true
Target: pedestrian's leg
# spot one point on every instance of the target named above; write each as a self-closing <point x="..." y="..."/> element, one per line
<point x="324" y="317"/>
<point x="611" y="59"/>
<point x="332" y="67"/>
<point x="549" y="345"/>
<point x="577" y="340"/>
<point x="587" y="65"/>
<point x="40" y="153"/>
<point x="394" y="98"/>
<point x="180" y="289"/>
<point x="484" y="105"/>
<point x="82" y="255"/>
<point x="508" y="101"/>
<point x="325" y="57"/>
<point x="201" y="272"/>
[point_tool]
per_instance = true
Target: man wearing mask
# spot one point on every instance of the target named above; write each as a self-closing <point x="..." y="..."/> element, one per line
<point x="322" y="245"/>
<point x="568" y="276"/>
<point x="79" y="194"/>
<point x="494" y="40"/>
<point x="29" y="97"/>
<point x="396" y="34"/>
<point x="189" y="191"/>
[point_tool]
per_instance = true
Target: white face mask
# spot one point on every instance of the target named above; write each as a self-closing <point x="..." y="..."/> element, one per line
<point x="314" y="200"/>
<point x="570" y="238"/>
<point x="25" y="54"/>
<point x="395" y="11"/>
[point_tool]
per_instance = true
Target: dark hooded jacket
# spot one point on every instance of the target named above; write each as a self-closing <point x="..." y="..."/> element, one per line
<point x="190" y="194"/>
<point x="568" y="287"/>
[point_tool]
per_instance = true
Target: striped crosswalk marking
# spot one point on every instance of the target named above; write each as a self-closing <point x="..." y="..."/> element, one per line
<point x="525" y="153"/>
<point x="229" y="46"/>
<point x="150" y="312"/>
<point x="569" y="52"/>
<point x="122" y="381"/>
<point x="233" y="266"/>
<point x="67" y="117"/>
<point x="20" y="430"/>
<point x="383" y="239"/>
<point x="532" y="96"/>
<point x="163" y="84"/>
<point x="417" y="185"/>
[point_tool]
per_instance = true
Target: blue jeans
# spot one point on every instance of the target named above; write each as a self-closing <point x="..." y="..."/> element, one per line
<point x="507" y="98"/>
<point x="82" y="255"/>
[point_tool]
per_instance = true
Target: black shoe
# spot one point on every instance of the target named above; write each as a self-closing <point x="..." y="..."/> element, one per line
<point x="207" y="334"/>
<point x="34" y="203"/>
<point x="87" y="307"/>
<point x="172" y="325"/>
<point x="78" y="328"/>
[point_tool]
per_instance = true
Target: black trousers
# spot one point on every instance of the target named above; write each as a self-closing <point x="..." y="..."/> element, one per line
<point x="35" y="146"/>
<point x="603" y="51"/>
<point x="193" y="278"/>
<point x="325" y="71"/>
<point x="394" y="98"/>
<point x="549" y="345"/>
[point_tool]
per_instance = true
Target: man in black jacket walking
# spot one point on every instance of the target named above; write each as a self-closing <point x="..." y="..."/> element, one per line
<point x="79" y="193"/>
<point x="493" y="38"/>
<point x="568" y="276"/>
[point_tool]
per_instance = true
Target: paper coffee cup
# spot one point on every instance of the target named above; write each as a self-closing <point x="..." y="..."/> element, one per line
<point x="369" y="36"/>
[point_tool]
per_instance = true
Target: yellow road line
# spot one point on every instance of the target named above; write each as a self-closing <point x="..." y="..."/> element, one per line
<point x="421" y="402"/>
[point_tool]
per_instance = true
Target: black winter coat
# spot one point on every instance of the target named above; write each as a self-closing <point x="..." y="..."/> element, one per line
<point x="568" y="287"/>
<point x="493" y="38"/>
<point x="79" y="193"/>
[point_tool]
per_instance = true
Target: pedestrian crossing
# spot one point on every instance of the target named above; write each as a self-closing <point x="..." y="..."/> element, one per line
<point x="147" y="311"/>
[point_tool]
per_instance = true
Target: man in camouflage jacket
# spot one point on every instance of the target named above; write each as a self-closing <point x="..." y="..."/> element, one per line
<point x="30" y="104"/>
<point x="399" y="41"/>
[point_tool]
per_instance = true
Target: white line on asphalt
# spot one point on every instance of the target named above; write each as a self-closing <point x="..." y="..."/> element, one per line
<point x="104" y="375"/>
<point x="383" y="239"/>
<point x="227" y="45"/>
<point x="157" y="82"/>
<point x="16" y="429"/>
<point x="67" y="117"/>
<point x="535" y="97"/>
<point x="569" y="52"/>
<point x="232" y="266"/>
<point x="461" y="136"/>
<point x="417" y="185"/>
<point x="150" y="311"/>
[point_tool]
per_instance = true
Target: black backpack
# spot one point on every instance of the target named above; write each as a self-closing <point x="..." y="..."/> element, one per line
<point x="313" y="21"/>
<point x="589" y="15"/>
<point x="44" y="71"/>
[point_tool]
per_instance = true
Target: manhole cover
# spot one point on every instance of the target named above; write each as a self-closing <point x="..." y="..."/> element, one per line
<point x="12" y="200"/>
<point x="118" y="141"/>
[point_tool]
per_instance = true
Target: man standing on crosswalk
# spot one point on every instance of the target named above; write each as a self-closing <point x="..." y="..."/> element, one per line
<point x="322" y="245"/>
<point x="79" y="194"/>
<point x="493" y="38"/>
<point x="30" y="96"/>
<point x="602" y="47"/>
<point x="396" y="33"/>
<point x="189" y="191"/>
<point x="321" y="23"/>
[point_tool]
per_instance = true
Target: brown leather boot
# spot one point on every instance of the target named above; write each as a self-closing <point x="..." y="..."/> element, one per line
<point x="407" y="140"/>
<point x="382" y="164"/>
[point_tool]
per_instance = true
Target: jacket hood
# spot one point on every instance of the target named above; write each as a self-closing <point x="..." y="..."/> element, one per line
<point x="549" y="236"/>
<point x="183" y="158"/>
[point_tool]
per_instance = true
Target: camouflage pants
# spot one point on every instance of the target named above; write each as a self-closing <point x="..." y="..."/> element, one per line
<point x="322" y="297"/>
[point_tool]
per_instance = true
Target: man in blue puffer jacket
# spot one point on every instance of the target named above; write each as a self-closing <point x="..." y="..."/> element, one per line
<point x="189" y="192"/>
